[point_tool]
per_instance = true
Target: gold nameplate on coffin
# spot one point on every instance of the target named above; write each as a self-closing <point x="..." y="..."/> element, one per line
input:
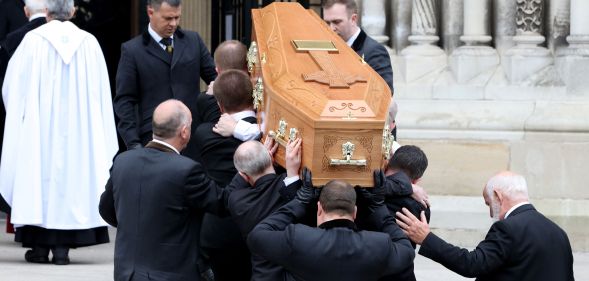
<point x="317" y="88"/>
<point x="314" y="45"/>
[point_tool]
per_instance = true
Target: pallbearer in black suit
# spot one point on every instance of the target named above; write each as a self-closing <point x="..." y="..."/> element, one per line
<point x="164" y="62"/>
<point x="220" y="237"/>
<point x="156" y="199"/>
<point x="522" y="245"/>
<point x="342" y="18"/>
<point x="336" y="249"/>
<point x="259" y="191"/>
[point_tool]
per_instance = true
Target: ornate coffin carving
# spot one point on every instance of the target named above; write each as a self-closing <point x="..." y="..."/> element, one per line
<point x="314" y="86"/>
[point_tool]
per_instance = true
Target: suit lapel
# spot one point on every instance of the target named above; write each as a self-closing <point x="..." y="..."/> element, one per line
<point x="154" y="48"/>
<point x="359" y="42"/>
<point x="159" y="147"/>
<point x="179" y="46"/>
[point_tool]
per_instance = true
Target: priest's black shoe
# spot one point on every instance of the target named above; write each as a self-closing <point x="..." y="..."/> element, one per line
<point x="60" y="255"/>
<point x="37" y="255"/>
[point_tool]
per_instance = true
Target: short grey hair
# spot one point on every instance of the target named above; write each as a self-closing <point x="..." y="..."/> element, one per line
<point x="155" y="4"/>
<point x="169" y="127"/>
<point x="60" y="9"/>
<point x="252" y="158"/>
<point x="36" y="6"/>
<point x="512" y="185"/>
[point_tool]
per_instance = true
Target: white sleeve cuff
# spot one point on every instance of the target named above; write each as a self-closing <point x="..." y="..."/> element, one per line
<point x="290" y="180"/>
<point x="245" y="131"/>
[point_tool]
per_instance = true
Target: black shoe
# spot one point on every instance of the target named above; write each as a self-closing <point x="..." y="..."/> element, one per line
<point x="60" y="255"/>
<point x="37" y="255"/>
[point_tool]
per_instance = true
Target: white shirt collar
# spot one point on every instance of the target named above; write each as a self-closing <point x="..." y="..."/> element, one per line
<point x="157" y="37"/>
<point x="37" y="15"/>
<point x="350" y="41"/>
<point x="515" y="207"/>
<point x="243" y="114"/>
<point x="166" y="144"/>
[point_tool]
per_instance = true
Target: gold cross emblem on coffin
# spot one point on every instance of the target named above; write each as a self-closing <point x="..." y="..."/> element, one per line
<point x="329" y="73"/>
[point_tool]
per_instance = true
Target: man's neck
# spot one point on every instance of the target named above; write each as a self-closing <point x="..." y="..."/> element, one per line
<point x="350" y="41"/>
<point x="169" y="143"/>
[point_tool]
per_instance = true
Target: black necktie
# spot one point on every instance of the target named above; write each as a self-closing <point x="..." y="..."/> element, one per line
<point x="168" y="43"/>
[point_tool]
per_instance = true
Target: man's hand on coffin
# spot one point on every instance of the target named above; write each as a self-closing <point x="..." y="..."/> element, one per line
<point x="374" y="197"/>
<point x="225" y="126"/>
<point x="307" y="193"/>
<point x="293" y="157"/>
<point x="271" y="146"/>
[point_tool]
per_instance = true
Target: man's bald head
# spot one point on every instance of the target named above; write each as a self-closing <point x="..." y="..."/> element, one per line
<point x="169" y="118"/>
<point x="231" y="54"/>
<point x="252" y="158"/>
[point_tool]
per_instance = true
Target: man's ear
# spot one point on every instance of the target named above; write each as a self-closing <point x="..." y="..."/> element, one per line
<point x="355" y="212"/>
<point x="319" y="209"/>
<point x="150" y="11"/>
<point x="73" y="12"/>
<point x="354" y="18"/>
<point x="220" y="107"/>
<point x="498" y="195"/>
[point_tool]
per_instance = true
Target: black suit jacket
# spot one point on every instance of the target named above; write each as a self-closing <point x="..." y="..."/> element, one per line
<point x="526" y="246"/>
<point x="156" y="199"/>
<point x="395" y="202"/>
<point x="217" y="158"/>
<point x="375" y="55"/>
<point x="147" y="76"/>
<point x="249" y="205"/>
<point x="12" y="16"/>
<point x="336" y="250"/>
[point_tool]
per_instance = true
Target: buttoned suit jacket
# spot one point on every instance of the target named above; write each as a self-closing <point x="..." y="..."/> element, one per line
<point x="147" y="76"/>
<point x="526" y="246"/>
<point x="339" y="253"/>
<point x="156" y="199"/>
<point x="375" y="55"/>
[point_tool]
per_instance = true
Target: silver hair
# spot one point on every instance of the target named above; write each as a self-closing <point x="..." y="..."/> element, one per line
<point x="512" y="185"/>
<point x="60" y="9"/>
<point x="252" y="158"/>
<point x="36" y="6"/>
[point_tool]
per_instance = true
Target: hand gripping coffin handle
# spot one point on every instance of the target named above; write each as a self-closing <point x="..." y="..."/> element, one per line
<point x="348" y="152"/>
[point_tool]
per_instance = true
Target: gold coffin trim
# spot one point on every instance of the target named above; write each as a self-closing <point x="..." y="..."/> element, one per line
<point x="314" y="45"/>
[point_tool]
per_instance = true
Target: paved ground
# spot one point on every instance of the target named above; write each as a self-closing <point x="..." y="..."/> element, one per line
<point x="96" y="264"/>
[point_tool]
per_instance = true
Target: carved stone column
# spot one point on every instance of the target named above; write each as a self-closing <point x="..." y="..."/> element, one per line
<point x="374" y="20"/>
<point x="504" y="24"/>
<point x="527" y="58"/>
<point x="557" y="24"/>
<point x="400" y="26"/>
<point x="423" y="57"/>
<point x="471" y="60"/>
<point x="452" y="24"/>
<point x="573" y="62"/>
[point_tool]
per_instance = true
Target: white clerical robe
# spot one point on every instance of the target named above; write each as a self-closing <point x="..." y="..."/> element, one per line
<point x="59" y="137"/>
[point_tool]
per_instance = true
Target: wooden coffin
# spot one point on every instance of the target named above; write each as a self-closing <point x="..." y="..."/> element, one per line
<point x="309" y="83"/>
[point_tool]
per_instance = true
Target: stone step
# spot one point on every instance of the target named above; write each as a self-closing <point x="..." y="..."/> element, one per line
<point x="464" y="221"/>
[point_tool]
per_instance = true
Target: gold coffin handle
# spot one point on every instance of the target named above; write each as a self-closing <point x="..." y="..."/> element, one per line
<point x="280" y="135"/>
<point x="347" y="162"/>
<point x="277" y="138"/>
<point x="348" y="152"/>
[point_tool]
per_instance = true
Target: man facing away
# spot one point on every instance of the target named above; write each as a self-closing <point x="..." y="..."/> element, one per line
<point x="162" y="63"/>
<point x="522" y="245"/>
<point x="156" y="198"/>
<point x="59" y="139"/>
<point x="336" y="249"/>
<point x="259" y="191"/>
<point x="342" y="17"/>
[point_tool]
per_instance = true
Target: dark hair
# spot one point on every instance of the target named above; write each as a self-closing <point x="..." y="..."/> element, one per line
<point x="156" y="4"/>
<point x="231" y="54"/>
<point x="339" y="197"/>
<point x="351" y="5"/>
<point x="233" y="90"/>
<point x="411" y="160"/>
